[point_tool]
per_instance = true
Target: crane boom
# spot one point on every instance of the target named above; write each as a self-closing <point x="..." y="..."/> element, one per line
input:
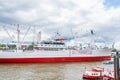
<point x="7" y="32"/>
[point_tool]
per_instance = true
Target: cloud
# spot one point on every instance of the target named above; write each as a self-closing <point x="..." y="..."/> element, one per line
<point x="50" y="16"/>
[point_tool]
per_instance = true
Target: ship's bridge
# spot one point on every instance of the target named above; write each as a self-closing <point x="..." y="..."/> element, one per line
<point x="51" y="45"/>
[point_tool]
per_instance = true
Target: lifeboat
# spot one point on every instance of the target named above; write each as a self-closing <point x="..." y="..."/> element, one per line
<point x="59" y="39"/>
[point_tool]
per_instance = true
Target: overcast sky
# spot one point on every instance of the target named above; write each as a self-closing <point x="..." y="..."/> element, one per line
<point x="68" y="17"/>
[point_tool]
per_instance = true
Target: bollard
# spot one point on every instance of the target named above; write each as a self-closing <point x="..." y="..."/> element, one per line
<point x="116" y="66"/>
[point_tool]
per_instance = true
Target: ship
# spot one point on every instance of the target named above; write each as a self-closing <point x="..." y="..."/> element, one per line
<point x="52" y="51"/>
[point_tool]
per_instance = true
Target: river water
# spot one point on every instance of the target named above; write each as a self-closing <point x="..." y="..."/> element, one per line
<point x="47" y="71"/>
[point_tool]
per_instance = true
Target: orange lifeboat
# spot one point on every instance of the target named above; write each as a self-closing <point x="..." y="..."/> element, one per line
<point x="59" y="39"/>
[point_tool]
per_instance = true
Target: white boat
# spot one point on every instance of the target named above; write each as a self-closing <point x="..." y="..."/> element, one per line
<point x="51" y="51"/>
<point x="111" y="61"/>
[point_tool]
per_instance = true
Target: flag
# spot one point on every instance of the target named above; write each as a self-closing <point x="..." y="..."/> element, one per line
<point x="92" y="32"/>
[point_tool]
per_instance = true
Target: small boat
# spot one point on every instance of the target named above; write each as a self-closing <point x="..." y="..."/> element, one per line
<point x="95" y="73"/>
<point x="109" y="61"/>
<point x="98" y="73"/>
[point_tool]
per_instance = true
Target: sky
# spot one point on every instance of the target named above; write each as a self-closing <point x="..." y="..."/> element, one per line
<point x="69" y="18"/>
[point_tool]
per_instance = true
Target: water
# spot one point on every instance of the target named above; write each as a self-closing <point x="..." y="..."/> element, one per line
<point x="47" y="71"/>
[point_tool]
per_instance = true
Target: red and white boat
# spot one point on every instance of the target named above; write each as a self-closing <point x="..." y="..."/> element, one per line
<point x="51" y="51"/>
<point x="51" y="54"/>
<point x="99" y="74"/>
<point x="95" y="73"/>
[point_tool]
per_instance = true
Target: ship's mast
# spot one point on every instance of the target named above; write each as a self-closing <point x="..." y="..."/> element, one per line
<point x="92" y="39"/>
<point x="18" y="37"/>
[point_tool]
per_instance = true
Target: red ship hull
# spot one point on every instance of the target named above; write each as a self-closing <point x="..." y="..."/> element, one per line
<point x="56" y="59"/>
